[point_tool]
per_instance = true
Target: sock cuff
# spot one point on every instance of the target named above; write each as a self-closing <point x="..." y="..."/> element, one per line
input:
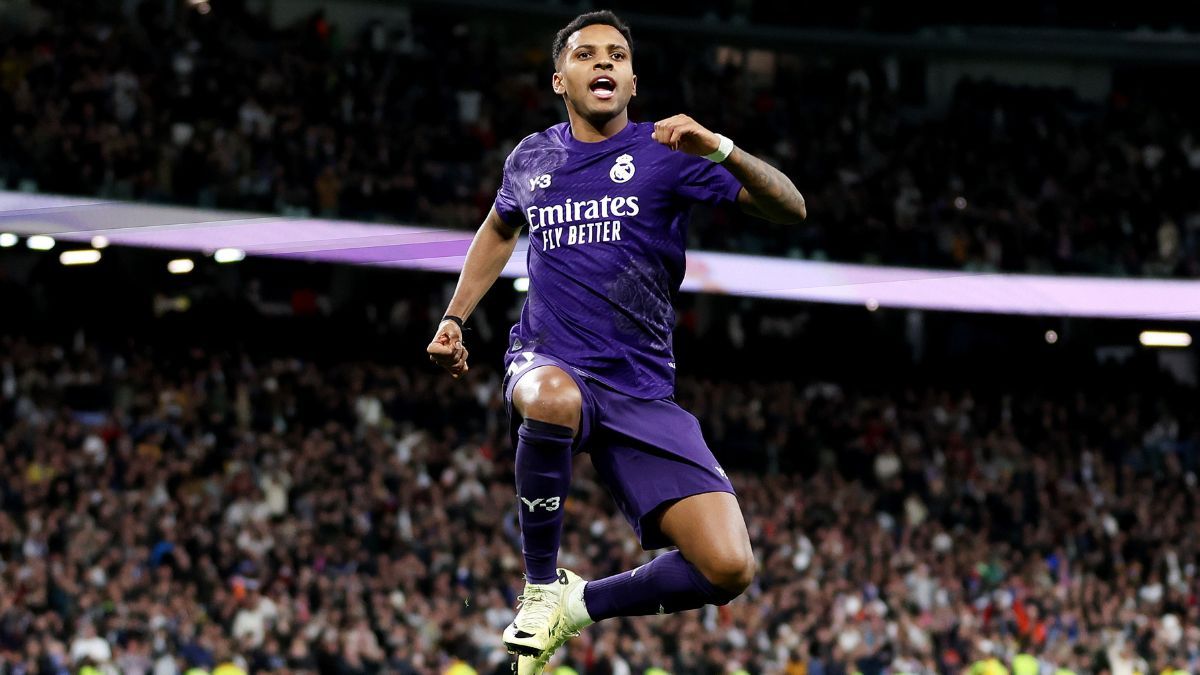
<point x="539" y="429"/>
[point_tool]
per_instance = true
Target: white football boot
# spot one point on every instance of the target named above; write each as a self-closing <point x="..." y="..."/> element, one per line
<point x="550" y="614"/>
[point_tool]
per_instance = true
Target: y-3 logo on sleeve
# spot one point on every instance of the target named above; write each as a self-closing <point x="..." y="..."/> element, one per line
<point x="542" y="181"/>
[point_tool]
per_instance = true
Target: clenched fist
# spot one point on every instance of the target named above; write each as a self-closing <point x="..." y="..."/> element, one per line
<point x="447" y="349"/>
<point x="686" y="135"/>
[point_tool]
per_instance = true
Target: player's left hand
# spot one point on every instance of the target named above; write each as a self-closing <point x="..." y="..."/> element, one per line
<point x="686" y="135"/>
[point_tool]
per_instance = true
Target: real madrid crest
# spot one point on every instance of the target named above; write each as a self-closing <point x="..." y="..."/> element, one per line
<point x="623" y="170"/>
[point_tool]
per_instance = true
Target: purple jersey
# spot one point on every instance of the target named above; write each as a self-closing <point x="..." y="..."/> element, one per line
<point x="607" y="227"/>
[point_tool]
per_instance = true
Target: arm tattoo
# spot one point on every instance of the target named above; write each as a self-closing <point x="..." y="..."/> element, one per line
<point x="773" y="194"/>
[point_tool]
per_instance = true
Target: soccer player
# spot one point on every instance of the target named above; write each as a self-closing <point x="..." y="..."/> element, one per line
<point x="589" y="365"/>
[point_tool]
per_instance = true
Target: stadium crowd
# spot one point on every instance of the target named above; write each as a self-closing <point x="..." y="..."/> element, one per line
<point x="412" y="122"/>
<point x="204" y="511"/>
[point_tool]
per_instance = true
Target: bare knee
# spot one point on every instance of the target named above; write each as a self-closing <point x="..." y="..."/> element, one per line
<point x="731" y="570"/>
<point x="548" y="394"/>
<point x="711" y="534"/>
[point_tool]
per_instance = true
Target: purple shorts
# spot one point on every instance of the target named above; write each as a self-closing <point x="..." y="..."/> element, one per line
<point x="647" y="453"/>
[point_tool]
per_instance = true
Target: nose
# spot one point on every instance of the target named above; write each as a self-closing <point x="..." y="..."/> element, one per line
<point x="603" y="64"/>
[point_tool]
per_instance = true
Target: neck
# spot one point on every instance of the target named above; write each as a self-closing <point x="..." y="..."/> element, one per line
<point x="595" y="130"/>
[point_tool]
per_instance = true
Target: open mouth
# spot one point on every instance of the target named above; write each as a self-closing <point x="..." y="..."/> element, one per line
<point x="603" y="87"/>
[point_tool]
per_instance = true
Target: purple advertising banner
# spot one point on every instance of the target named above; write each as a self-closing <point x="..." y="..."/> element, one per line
<point x="430" y="248"/>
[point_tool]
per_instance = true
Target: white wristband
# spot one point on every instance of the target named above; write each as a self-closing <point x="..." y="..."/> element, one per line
<point x="723" y="149"/>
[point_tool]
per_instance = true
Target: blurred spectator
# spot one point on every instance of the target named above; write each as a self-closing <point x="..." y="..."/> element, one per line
<point x="213" y="511"/>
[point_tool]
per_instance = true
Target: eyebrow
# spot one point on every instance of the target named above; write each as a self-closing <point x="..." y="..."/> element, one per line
<point x="610" y="46"/>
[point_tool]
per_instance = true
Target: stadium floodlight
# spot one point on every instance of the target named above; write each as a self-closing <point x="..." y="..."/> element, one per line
<point x="521" y="284"/>
<point x="228" y="255"/>
<point x="1164" y="338"/>
<point x="40" y="242"/>
<point x="872" y="304"/>
<point x="8" y="240"/>
<point x="181" y="266"/>
<point x="99" y="241"/>
<point x="86" y="256"/>
<point x="1051" y="337"/>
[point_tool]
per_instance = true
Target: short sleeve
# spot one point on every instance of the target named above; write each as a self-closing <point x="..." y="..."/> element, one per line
<point x="506" y="197"/>
<point x="707" y="182"/>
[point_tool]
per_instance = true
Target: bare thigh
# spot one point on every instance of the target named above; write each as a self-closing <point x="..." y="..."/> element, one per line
<point x="548" y="394"/>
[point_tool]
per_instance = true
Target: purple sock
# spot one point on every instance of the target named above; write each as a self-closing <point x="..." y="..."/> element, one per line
<point x="664" y="585"/>
<point x="543" y="476"/>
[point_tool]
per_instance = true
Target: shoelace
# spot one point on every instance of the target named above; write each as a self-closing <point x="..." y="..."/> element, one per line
<point x="535" y="608"/>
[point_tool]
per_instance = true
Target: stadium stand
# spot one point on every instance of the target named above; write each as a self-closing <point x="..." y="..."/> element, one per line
<point x="224" y="110"/>
<point x="254" y="468"/>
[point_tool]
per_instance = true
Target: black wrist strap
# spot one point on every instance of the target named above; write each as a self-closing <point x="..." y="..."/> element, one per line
<point x="455" y="319"/>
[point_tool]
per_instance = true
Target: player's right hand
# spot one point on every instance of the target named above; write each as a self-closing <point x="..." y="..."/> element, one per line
<point x="447" y="349"/>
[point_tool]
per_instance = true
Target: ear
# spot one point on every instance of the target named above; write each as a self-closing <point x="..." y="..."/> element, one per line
<point x="557" y="84"/>
<point x="634" y="86"/>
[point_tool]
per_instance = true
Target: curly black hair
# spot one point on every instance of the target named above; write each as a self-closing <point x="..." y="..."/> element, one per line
<point x="602" y="17"/>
